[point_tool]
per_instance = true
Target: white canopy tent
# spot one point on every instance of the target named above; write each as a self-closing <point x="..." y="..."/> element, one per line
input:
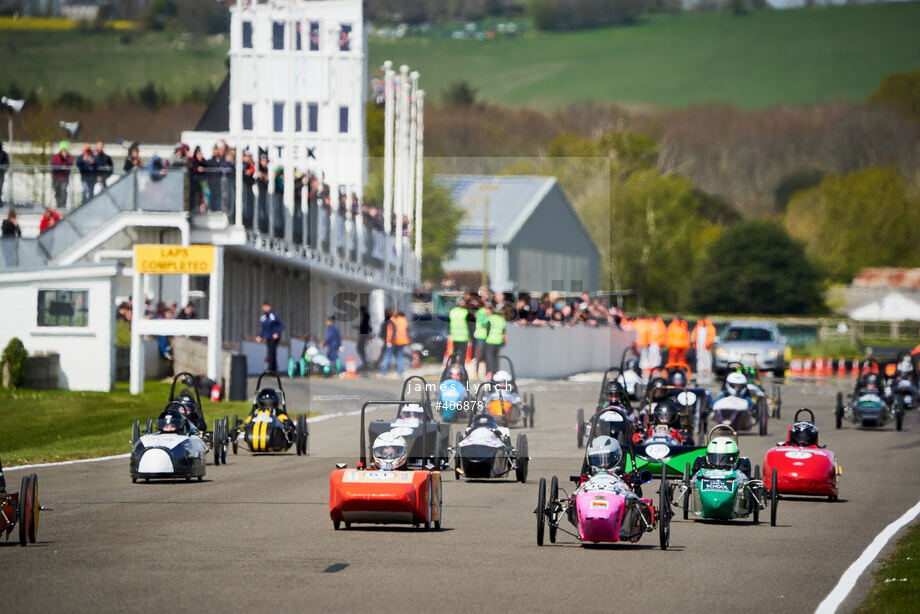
<point x="892" y="307"/>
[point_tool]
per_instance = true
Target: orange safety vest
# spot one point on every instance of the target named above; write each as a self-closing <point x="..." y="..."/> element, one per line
<point x="642" y="330"/>
<point x="710" y="332"/>
<point x="399" y="333"/>
<point x="656" y="332"/>
<point x="678" y="335"/>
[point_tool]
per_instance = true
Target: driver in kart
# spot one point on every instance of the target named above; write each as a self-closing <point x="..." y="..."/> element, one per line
<point x="172" y="421"/>
<point x="804" y="434"/>
<point x="870" y="383"/>
<point x="736" y="385"/>
<point x="456" y="373"/>
<point x="677" y="378"/>
<point x="664" y="421"/>
<point x="616" y="395"/>
<point x="502" y="381"/>
<point x="412" y="411"/>
<point x="389" y="451"/>
<point x="268" y="400"/>
<point x="487" y="421"/>
<point x="189" y="409"/>
<point x="603" y="467"/>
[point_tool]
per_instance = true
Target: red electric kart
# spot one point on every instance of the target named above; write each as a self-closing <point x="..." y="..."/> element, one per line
<point x="802" y="469"/>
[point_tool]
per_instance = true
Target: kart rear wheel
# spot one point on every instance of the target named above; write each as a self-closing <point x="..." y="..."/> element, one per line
<point x="234" y="433"/>
<point x="899" y="417"/>
<point x="223" y="440"/>
<point x="149" y="428"/>
<point x="687" y="491"/>
<point x="553" y="497"/>
<point x="533" y="409"/>
<point x="135" y="432"/>
<point x="298" y="442"/>
<point x="774" y="499"/>
<point x="778" y="400"/>
<point x="457" y="456"/>
<point x="336" y="524"/>
<point x="522" y="460"/>
<point x="762" y="418"/>
<point x="580" y="427"/>
<point x="838" y="410"/>
<point x="25" y="509"/>
<point x="664" y="510"/>
<point x="215" y="439"/>
<point x="539" y="511"/>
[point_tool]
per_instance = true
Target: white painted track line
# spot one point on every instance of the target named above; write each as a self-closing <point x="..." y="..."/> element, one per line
<point x="851" y="575"/>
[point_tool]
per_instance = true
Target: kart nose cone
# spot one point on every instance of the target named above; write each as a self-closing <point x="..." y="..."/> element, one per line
<point x="155" y="461"/>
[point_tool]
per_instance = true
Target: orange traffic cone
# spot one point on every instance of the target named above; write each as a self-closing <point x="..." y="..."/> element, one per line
<point x="795" y="367"/>
<point x="841" y="367"/>
<point x="819" y="367"/>
<point x="854" y="367"/>
<point x="808" y="366"/>
<point x="351" y="368"/>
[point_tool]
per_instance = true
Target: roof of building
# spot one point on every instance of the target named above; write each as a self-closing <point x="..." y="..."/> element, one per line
<point x="511" y="200"/>
<point x="888" y="277"/>
<point x="216" y="117"/>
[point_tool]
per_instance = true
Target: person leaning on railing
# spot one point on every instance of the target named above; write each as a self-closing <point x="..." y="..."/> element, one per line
<point x="10" y="228"/>
<point x="4" y="164"/>
<point x="60" y="173"/>
<point x="103" y="167"/>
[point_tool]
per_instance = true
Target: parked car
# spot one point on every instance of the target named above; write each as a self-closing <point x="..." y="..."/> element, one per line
<point x="430" y="331"/>
<point x="760" y="339"/>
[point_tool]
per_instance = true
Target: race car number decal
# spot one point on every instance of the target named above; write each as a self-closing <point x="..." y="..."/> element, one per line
<point x="657" y="450"/>
<point x="686" y="398"/>
<point x="599" y="504"/>
<point x="716" y="486"/>
<point x="798" y="454"/>
<point x="376" y="476"/>
<point x="402" y="431"/>
<point x="263" y="417"/>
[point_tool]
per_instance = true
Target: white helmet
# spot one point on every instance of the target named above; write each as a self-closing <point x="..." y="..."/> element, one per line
<point x="603" y="453"/>
<point x="501" y="379"/>
<point x="412" y="410"/>
<point x="736" y="383"/>
<point x="389" y="451"/>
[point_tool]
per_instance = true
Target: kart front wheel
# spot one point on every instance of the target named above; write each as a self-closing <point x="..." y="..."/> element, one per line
<point x="234" y="433"/>
<point x="298" y="435"/>
<point x="25" y="508"/>
<point x="225" y="435"/>
<point x="687" y="491"/>
<point x="580" y="427"/>
<point x="215" y="441"/>
<point x="553" y="520"/>
<point x="664" y="510"/>
<point x="899" y="418"/>
<point x="756" y="476"/>
<point x="838" y="411"/>
<point x="774" y="499"/>
<point x="522" y="459"/>
<point x="540" y="511"/>
<point x="457" y="457"/>
<point x="149" y="428"/>
<point x="135" y="432"/>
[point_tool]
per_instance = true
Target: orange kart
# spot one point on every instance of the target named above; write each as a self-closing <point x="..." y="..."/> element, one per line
<point x="370" y="495"/>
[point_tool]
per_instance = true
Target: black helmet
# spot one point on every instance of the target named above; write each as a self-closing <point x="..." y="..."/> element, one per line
<point x="803" y="434"/>
<point x="631" y="365"/>
<point x="870" y="381"/>
<point x="664" y="412"/>
<point x="268" y="399"/>
<point x="187" y="401"/>
<point x="171" y="421"/>
<point x="484" y="421"/>
<point x="615" y="391"/>
<point x="677" y="377"/>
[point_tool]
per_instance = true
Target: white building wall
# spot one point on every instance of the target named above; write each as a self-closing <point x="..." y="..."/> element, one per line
<point x="329" y="77"/>
<point x="87" y="353"/>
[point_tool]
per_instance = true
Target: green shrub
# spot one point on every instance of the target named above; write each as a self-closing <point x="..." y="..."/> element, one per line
<point x="16" y="358"/>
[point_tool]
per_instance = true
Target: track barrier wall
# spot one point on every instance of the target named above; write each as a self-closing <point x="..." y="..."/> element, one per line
<point x="545" y="352"/>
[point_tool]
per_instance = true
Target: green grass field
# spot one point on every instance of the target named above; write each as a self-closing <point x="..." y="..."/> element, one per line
<point x="897" y="588"/>
<point x="768" y="58"/>
<point x="54" y="425"/>
<point x="764" y="59"/>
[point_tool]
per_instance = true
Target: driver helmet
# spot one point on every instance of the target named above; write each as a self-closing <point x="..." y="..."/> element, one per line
<point x="389" y="451"/>
<point x="187" y="402"/>
<point x="412" y="410"/>
<point x="268" y="399"/>
<point x="678" y="378"/>
<point x="502" y="379"/>
<point x="456" y="372"/>
<point x="905" y="366"/>
<point x="171" y="421"/>
<point x="656" y="390"/>
<point x="664" y="413"/>
<point x="803" y="434"/>
<point x="870" y="381"/>
<point x="631" y="365"/>
<point x="615" y="392"/>
<point x="736" y="384"/>
<point x="722" y="453"/>
<point x="485" y="421"/>
<point x="603" y="453"/>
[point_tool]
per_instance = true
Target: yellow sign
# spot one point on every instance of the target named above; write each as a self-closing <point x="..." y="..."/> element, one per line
<point x="174" y="259"/>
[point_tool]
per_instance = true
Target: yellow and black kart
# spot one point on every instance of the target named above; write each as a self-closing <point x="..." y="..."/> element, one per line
<point x="269" y="427"/>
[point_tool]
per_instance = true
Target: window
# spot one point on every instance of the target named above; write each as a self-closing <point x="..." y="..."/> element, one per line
<point x="298" y="37"/>
<point x="247" y="116"/>
<point x="314" y="36"/>
<point x="343" y="119"/>
<point x="312" y="117"/>
<point x="278" y="35"/>
<point x="247" y="35"/>
<point x="298" y="117"/>
<point x="63" y="308"/>
<point x="278" y="117"/>
<point x="345" y="37"/>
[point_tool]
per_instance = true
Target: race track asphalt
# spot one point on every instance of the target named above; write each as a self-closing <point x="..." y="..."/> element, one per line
<point x="256" y="535"/>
